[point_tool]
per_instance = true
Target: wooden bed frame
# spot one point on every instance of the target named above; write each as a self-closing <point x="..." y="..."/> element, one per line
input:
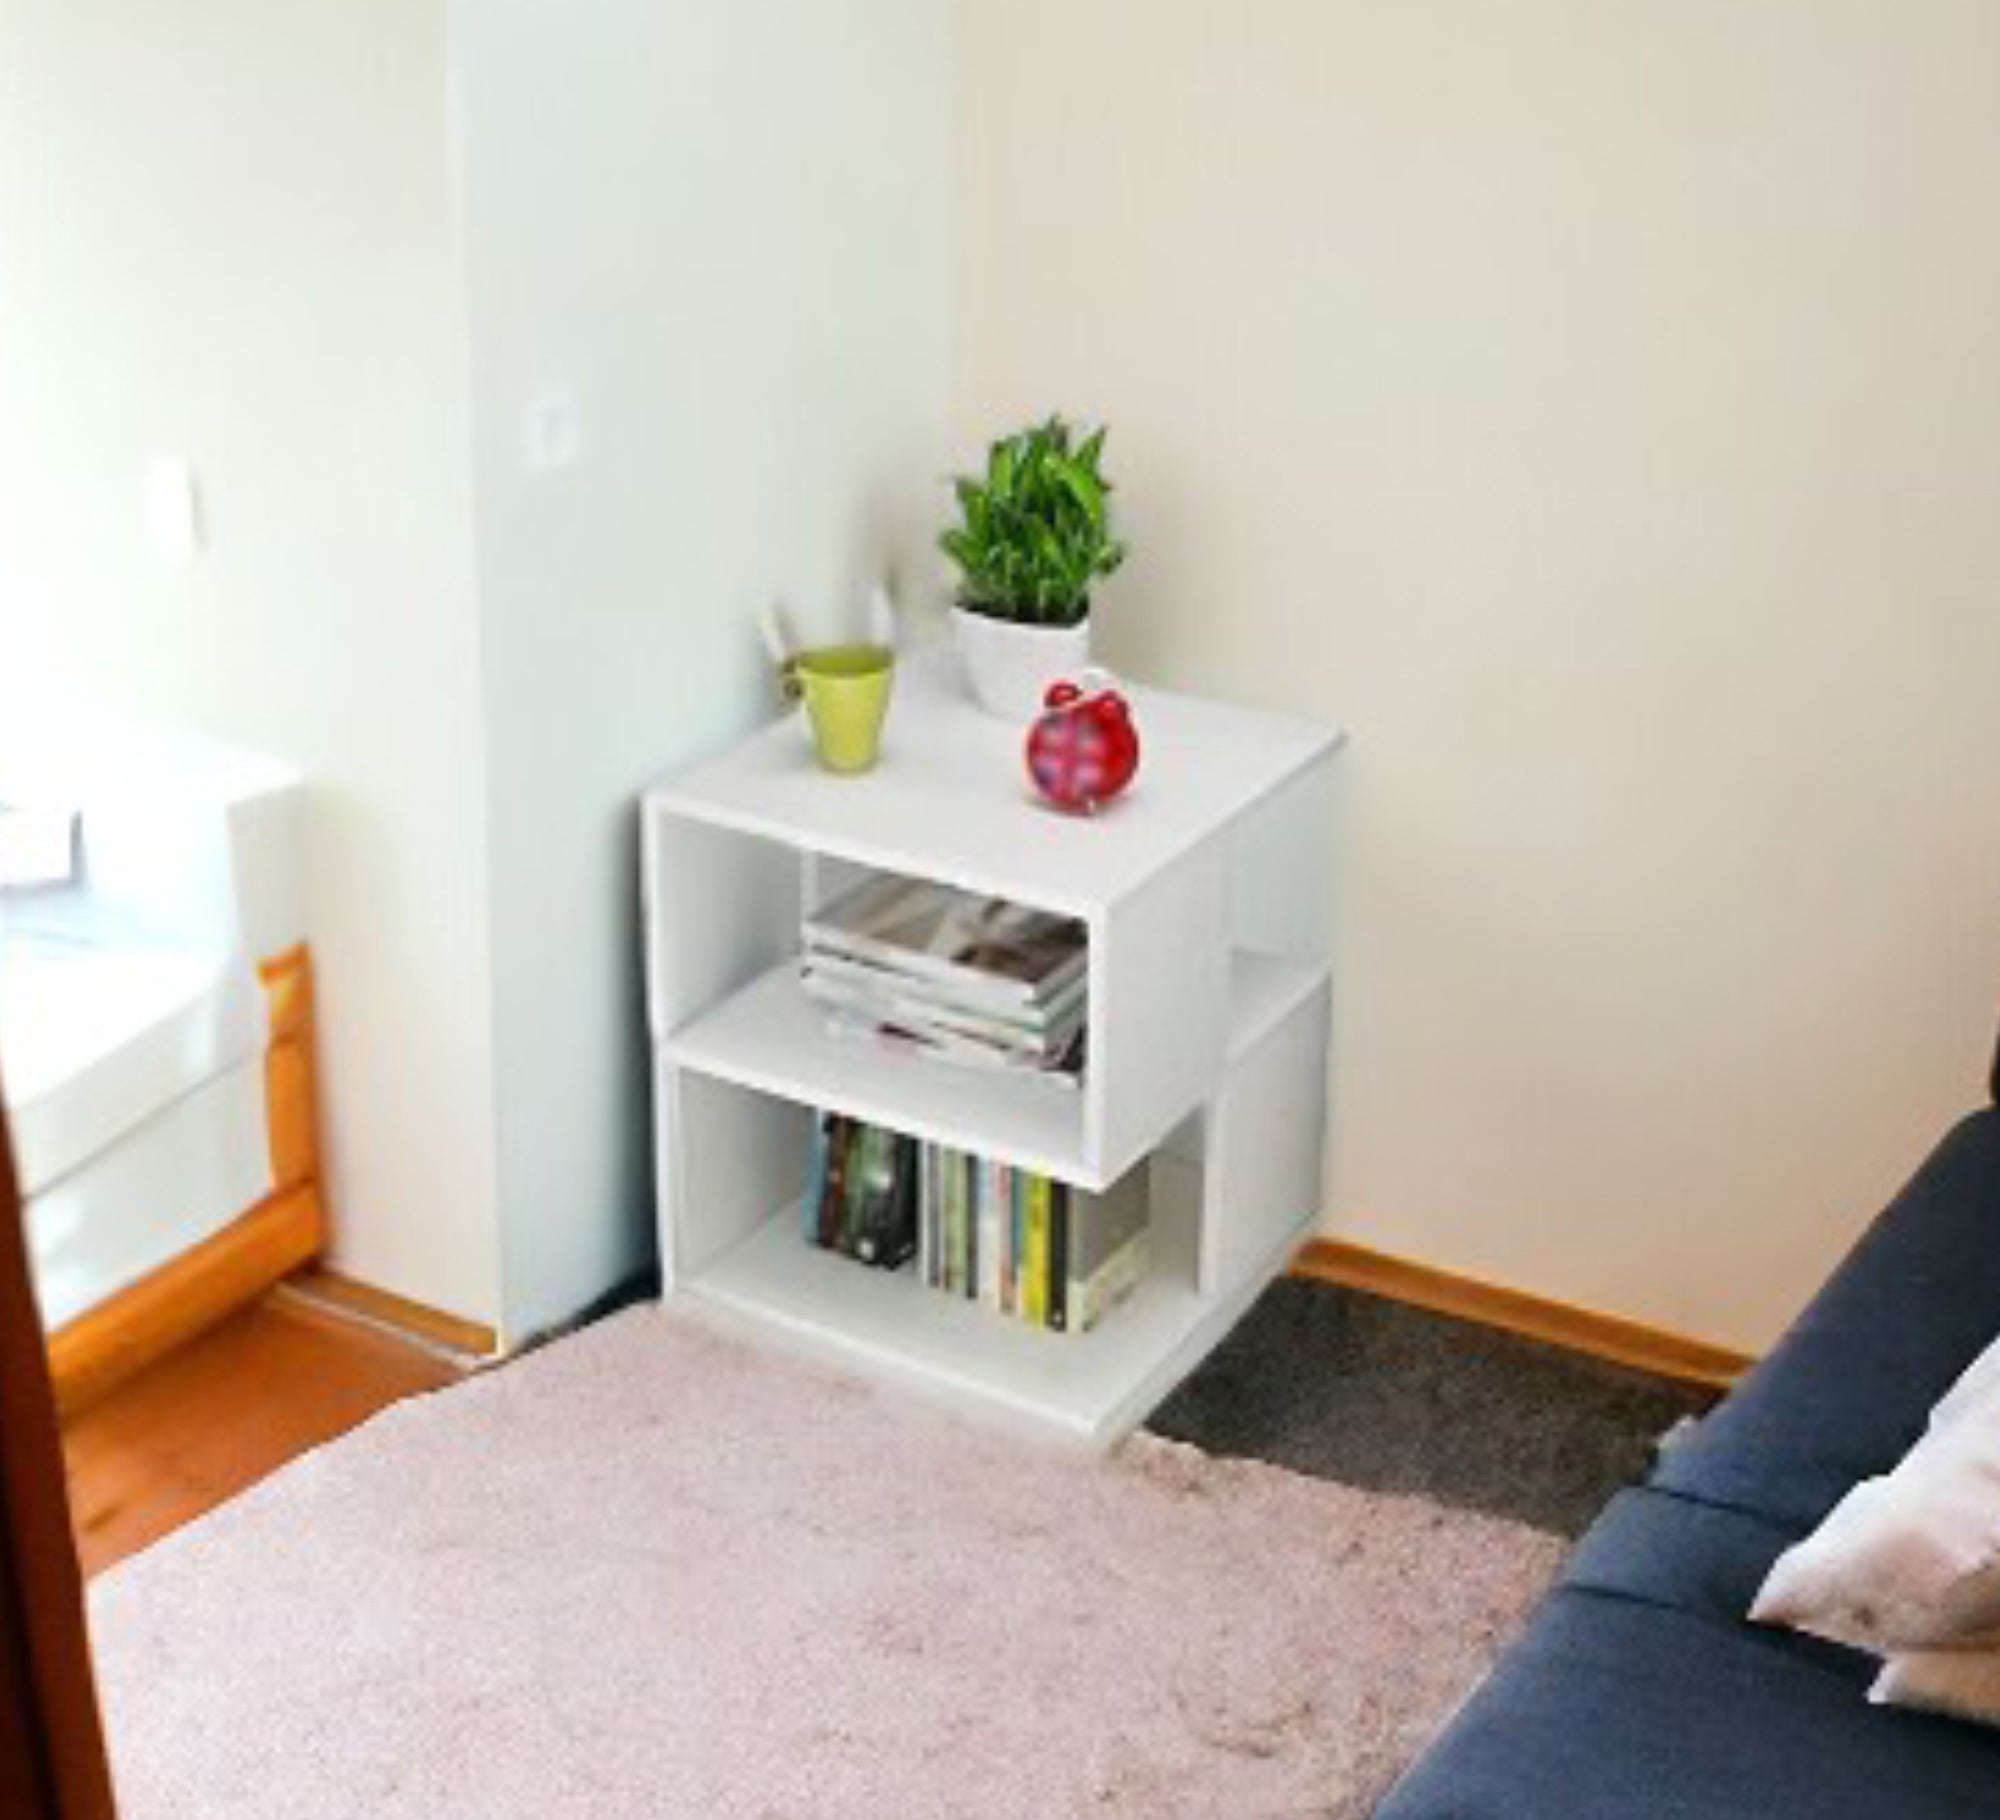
<point x="99" y="1350"/>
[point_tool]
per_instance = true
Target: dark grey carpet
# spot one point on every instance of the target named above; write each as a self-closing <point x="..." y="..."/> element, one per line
<point x="1349" y="1387"/>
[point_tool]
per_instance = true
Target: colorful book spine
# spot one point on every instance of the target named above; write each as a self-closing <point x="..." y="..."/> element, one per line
<point x="815" y="1194"/>
<point x="927" y="1236"/>
<point x="833" y="1191"/>
<point x="969" y="1169"/>
<point x="955" y="1215"/>
<point x="859" y="1161"/>
<point x="987" y="1176"/>
<point x="1058" y="1269"/>
<point x="1034" y="1308"/>
<point x="1008" y="1189"/>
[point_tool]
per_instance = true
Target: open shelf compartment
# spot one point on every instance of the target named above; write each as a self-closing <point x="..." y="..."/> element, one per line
<point x="1228" y="1195"/>
<point x="1091" y="1385"/>
<point x="740" y="1252"/>
<point x="771" y="1036"/>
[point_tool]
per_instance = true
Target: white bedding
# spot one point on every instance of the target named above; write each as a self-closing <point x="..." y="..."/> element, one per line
<point x="132" y="1024"/>
<point x="94" y="1041"/>
<point x="164" y="1186"/>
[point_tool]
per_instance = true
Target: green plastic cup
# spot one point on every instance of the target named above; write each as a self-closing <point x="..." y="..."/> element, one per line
<point x="846" y="692"/>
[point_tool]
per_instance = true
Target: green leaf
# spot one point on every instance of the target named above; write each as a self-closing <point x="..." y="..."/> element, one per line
<point x="1034" y="534"/>
<point x="1001" y="465"/>
<point x="1085" y="488"/>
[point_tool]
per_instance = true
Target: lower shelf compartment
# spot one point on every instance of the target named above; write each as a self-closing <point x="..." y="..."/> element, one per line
<point x="1093" y="1387"/>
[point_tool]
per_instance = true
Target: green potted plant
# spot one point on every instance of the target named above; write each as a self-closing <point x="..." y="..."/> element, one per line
<point x="1034" y="534"/>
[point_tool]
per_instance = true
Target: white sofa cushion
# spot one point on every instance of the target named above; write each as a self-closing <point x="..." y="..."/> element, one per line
<point x="1961" y="1684"/>
<point x="1910" y="1560"/>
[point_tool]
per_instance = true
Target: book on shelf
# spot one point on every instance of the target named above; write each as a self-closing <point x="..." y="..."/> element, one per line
<point x="974" y="981"/>
<point x="862" y="1197"/>
<point x="1104" y="1243"/>
<point x="1011" y="1240"/>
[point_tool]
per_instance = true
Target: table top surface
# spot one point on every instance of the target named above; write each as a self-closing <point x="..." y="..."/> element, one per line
<point x="950" y="797"/>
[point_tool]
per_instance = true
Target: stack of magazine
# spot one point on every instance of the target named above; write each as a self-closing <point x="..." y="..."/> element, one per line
<point x="972" y="980"/>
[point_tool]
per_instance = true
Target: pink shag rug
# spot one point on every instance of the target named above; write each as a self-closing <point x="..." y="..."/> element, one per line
<point x="652" y="1572"/>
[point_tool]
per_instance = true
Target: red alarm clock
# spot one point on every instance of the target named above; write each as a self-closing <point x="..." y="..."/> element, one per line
<point x="1084" y="748"/>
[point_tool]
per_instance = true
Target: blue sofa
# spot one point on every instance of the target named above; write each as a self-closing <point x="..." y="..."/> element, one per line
<point x="1638" y="1692"/>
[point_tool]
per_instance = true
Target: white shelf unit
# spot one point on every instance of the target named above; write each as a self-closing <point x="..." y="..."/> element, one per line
<point x="1204" y="897"/>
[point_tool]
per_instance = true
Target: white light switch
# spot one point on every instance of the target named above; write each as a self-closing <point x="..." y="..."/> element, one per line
<point x="554" y="437"/>
<point x="172" y="509"/>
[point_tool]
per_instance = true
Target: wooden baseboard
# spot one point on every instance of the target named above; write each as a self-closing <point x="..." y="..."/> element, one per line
<point x="435" y="1328"/>
<point x="92" y="1355"/>
<point x="1584" y="1330"/>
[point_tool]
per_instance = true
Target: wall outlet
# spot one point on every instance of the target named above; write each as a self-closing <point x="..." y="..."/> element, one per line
<point x="554" y="432"/>
<point x="171" y="506"/>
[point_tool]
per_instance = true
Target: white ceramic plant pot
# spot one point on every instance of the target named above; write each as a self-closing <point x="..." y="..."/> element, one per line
<point x="1010" y="666"/>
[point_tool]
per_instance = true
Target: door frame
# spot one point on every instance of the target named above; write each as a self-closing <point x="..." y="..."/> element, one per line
<point x="52" y="1762"/>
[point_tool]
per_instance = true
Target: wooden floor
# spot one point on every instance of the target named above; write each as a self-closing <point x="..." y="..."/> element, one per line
<point x="226" y="1410"/>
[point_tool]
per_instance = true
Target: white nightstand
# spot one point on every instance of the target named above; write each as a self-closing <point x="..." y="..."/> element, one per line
<point x="1204" y="892"/>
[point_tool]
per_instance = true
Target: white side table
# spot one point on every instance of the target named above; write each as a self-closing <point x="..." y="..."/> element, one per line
<point x="1204" y="892"/>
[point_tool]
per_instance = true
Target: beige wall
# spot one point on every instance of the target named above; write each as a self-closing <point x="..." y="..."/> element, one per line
<point x="1597" y="406"/>
<point x="225" y="234"/>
